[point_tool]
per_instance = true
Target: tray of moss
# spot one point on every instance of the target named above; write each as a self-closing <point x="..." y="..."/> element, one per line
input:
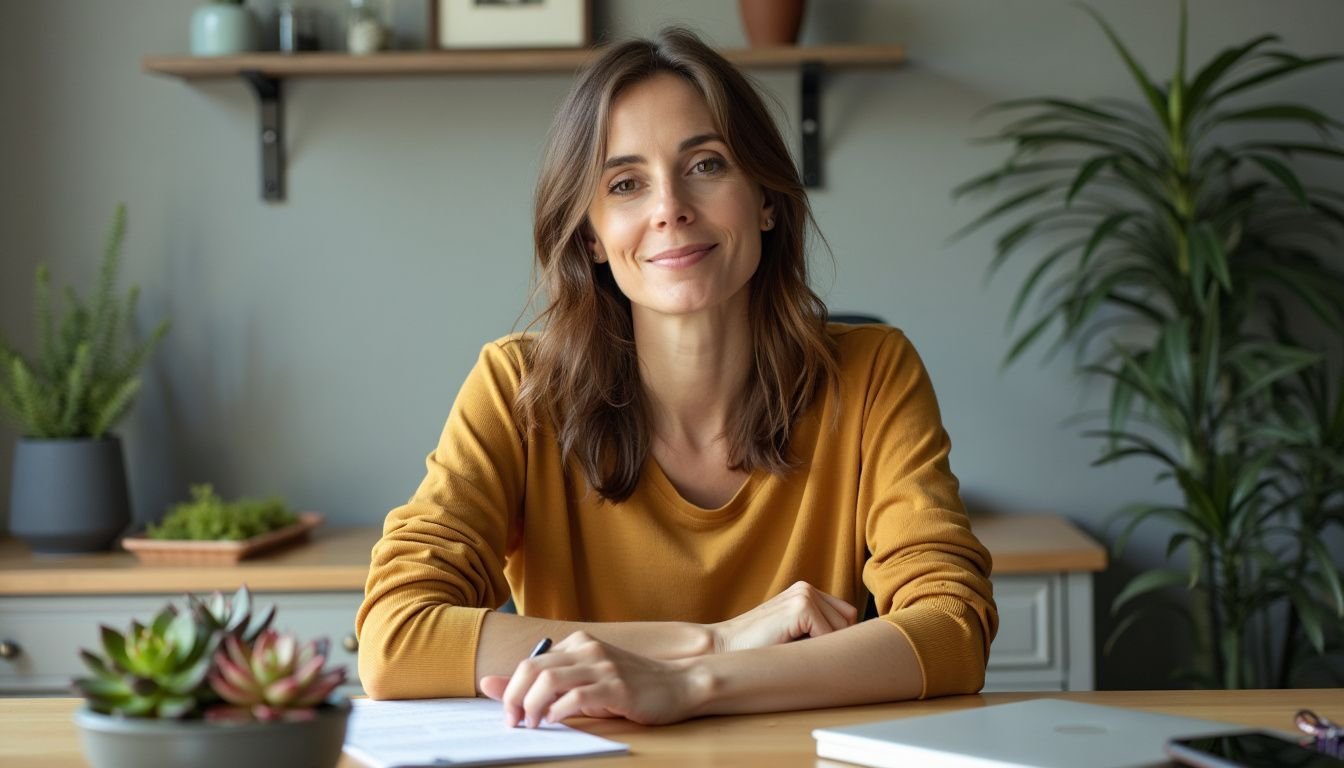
<point x="210" y="531"/>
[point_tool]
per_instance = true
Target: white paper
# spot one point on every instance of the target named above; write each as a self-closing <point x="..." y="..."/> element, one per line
<point x="442" y="732"/>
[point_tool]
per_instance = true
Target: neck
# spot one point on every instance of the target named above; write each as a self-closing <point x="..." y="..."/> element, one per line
<point x="693" y="367"/>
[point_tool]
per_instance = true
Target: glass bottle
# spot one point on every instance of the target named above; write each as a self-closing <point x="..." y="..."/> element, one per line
<point x="297" y="27"/>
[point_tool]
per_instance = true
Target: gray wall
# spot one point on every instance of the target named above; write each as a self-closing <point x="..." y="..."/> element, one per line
<point x="317" y="344"/>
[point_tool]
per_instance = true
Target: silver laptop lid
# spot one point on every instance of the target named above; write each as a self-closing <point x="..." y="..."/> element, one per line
<point x="1042" y="733"/>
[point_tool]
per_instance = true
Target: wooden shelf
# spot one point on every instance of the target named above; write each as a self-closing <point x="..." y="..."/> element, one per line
<point x="402" y="63"/>
<point x="265" y="72"/>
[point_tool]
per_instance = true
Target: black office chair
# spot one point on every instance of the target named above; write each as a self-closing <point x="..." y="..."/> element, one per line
<point x="856" y="319"/>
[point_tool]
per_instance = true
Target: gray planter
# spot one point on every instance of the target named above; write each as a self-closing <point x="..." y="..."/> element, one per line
<point x="68" y="495"/>
<point x="128" y="742"/>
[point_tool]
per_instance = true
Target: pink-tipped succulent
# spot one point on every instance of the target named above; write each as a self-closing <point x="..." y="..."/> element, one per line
<point x="273" y="678"/>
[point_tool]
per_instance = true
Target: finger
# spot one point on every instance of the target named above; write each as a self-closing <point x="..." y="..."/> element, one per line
<point x="520" y="682"/>
<point x="850" y="613"/>
<point x="585" y="701"/>
<point x="844" y="609"/>
<point x="824" y="619"/>
<point x="493" y="686"/>
<point x="550" y="685"/>
<point x="837" y="613"/>
<point x="808" y="615"/>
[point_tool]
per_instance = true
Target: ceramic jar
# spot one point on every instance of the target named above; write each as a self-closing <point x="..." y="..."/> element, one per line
<point x="365" y="31"/>
<point x="222" y="28"/>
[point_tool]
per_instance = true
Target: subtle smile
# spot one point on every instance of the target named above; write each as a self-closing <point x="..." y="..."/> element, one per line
<point x="685" y="256"/>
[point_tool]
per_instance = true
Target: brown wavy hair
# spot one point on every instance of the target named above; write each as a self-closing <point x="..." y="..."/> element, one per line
<point x="582" y="373"/>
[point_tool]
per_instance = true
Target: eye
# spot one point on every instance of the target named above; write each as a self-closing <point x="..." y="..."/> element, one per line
<point x="622" y="186"/>
<point x="708" y="165"/>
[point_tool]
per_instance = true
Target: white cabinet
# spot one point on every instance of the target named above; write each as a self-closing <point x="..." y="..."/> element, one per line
<point x="43" y="634"/>
<point x="1045" y="634"/>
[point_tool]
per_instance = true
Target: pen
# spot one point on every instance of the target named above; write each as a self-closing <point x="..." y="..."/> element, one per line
<point x="541" y="648"/>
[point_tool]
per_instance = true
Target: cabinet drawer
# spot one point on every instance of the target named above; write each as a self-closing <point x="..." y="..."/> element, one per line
<point x="1029" y="636"/>
<point x="49" y="631"/>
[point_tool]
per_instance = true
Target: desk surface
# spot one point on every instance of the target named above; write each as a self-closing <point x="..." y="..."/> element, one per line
<point x="338" y="559"/>
<point x="39" y="733"/>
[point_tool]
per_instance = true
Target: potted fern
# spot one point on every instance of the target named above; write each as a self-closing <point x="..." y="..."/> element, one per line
<point x="211" y="685"/>
<point x="1180" y="252"/>
<point x="69" y="482"/>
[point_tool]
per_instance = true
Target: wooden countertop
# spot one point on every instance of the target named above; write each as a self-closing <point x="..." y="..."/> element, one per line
<point x="37" y="732"/>
<point x="334" y="559"/>
<point x="1038" y="543"/>
<point x="337" y="559"/>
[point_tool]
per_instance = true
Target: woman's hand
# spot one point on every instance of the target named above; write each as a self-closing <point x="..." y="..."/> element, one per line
<point x="582" y="675"/>
<point x="802" y="610"/>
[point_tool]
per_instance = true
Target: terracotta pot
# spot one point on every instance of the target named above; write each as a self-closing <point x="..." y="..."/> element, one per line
<point x="771" y="22"/>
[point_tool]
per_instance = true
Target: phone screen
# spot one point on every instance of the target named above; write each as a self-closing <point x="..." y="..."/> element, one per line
<point x="1249" y="749"/>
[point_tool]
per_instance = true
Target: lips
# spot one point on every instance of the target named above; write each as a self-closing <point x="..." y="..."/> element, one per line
<point x="683" y="256"/>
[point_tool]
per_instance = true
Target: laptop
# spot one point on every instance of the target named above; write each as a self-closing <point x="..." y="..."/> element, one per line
<point x="1041" y="733"/>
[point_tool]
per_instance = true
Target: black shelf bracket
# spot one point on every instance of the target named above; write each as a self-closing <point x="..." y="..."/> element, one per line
<point x="810" y="129"/>
<point x="271" y="107"/>
<point x="272" y="110"/>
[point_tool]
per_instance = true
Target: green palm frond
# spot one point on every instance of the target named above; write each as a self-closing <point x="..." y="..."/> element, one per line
<point x="1142" y="224"/>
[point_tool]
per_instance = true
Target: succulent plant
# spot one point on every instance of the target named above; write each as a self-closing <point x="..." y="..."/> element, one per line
<point x="231" y="616"/>
<point x="216" y="659"/>
<point x="207" y="517"/>
<point x="272" y="678"/>
<point x="158" y="670"/>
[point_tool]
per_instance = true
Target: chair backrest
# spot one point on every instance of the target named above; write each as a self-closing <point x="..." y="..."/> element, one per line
<point x="855" y="318"/>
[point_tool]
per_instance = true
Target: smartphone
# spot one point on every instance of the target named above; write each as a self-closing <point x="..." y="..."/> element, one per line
<point x="1247" y="749"/>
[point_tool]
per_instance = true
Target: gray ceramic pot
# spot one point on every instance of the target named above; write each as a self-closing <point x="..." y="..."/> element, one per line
<point x="68" y="495"/>
<point x="127" y="742"/>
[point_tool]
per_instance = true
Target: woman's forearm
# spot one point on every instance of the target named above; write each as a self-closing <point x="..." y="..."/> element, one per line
<point x="866" y="663"/>
<point x="507" y="639"/>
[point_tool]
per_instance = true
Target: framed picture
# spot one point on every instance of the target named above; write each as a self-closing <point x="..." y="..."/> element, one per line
<point x="509" y="23"/>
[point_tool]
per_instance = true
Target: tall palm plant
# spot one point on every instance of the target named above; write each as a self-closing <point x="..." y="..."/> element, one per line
<point x="1185" y="259"/>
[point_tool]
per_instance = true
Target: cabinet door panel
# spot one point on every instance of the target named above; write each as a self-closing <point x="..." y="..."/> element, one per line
<point x="1029" y="623"/>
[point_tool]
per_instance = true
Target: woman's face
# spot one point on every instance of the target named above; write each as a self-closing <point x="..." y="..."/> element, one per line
<point x="673" y="214"/>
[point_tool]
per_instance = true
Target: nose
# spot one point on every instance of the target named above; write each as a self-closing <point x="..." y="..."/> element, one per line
<point x="671" y="206"/>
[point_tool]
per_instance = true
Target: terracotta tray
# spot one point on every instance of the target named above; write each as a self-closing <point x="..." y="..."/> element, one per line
<point x="186" y="552"/>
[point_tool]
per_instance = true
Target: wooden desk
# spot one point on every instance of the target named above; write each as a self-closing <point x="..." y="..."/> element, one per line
<point x="51" y="605"/>
<point x="38" y="733"/>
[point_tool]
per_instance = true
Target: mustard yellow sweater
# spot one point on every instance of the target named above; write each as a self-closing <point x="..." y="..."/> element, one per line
<point x="873" y="508"/>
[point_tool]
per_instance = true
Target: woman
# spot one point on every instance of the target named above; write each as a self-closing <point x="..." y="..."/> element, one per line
<point x="687" y="468"/>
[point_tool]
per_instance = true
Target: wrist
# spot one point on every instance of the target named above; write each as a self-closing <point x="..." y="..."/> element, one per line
<point x="679" y="640"/>
<point x="717" y="634"/>
<point x="704" y="640"/>
<point x="699" y="685"/>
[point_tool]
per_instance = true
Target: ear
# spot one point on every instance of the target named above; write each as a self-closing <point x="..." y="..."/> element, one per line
<point x="591" y="245"/>
<point x="598" y="253"/>
<point x="768" y="219"/>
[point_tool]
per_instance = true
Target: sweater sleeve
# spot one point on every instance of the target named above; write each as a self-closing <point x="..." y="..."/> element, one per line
<point x="439" y="566"/>
<point x="928" y="573"/>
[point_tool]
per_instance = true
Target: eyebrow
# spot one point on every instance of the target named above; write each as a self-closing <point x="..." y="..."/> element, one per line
<point x="694" y="141"/>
